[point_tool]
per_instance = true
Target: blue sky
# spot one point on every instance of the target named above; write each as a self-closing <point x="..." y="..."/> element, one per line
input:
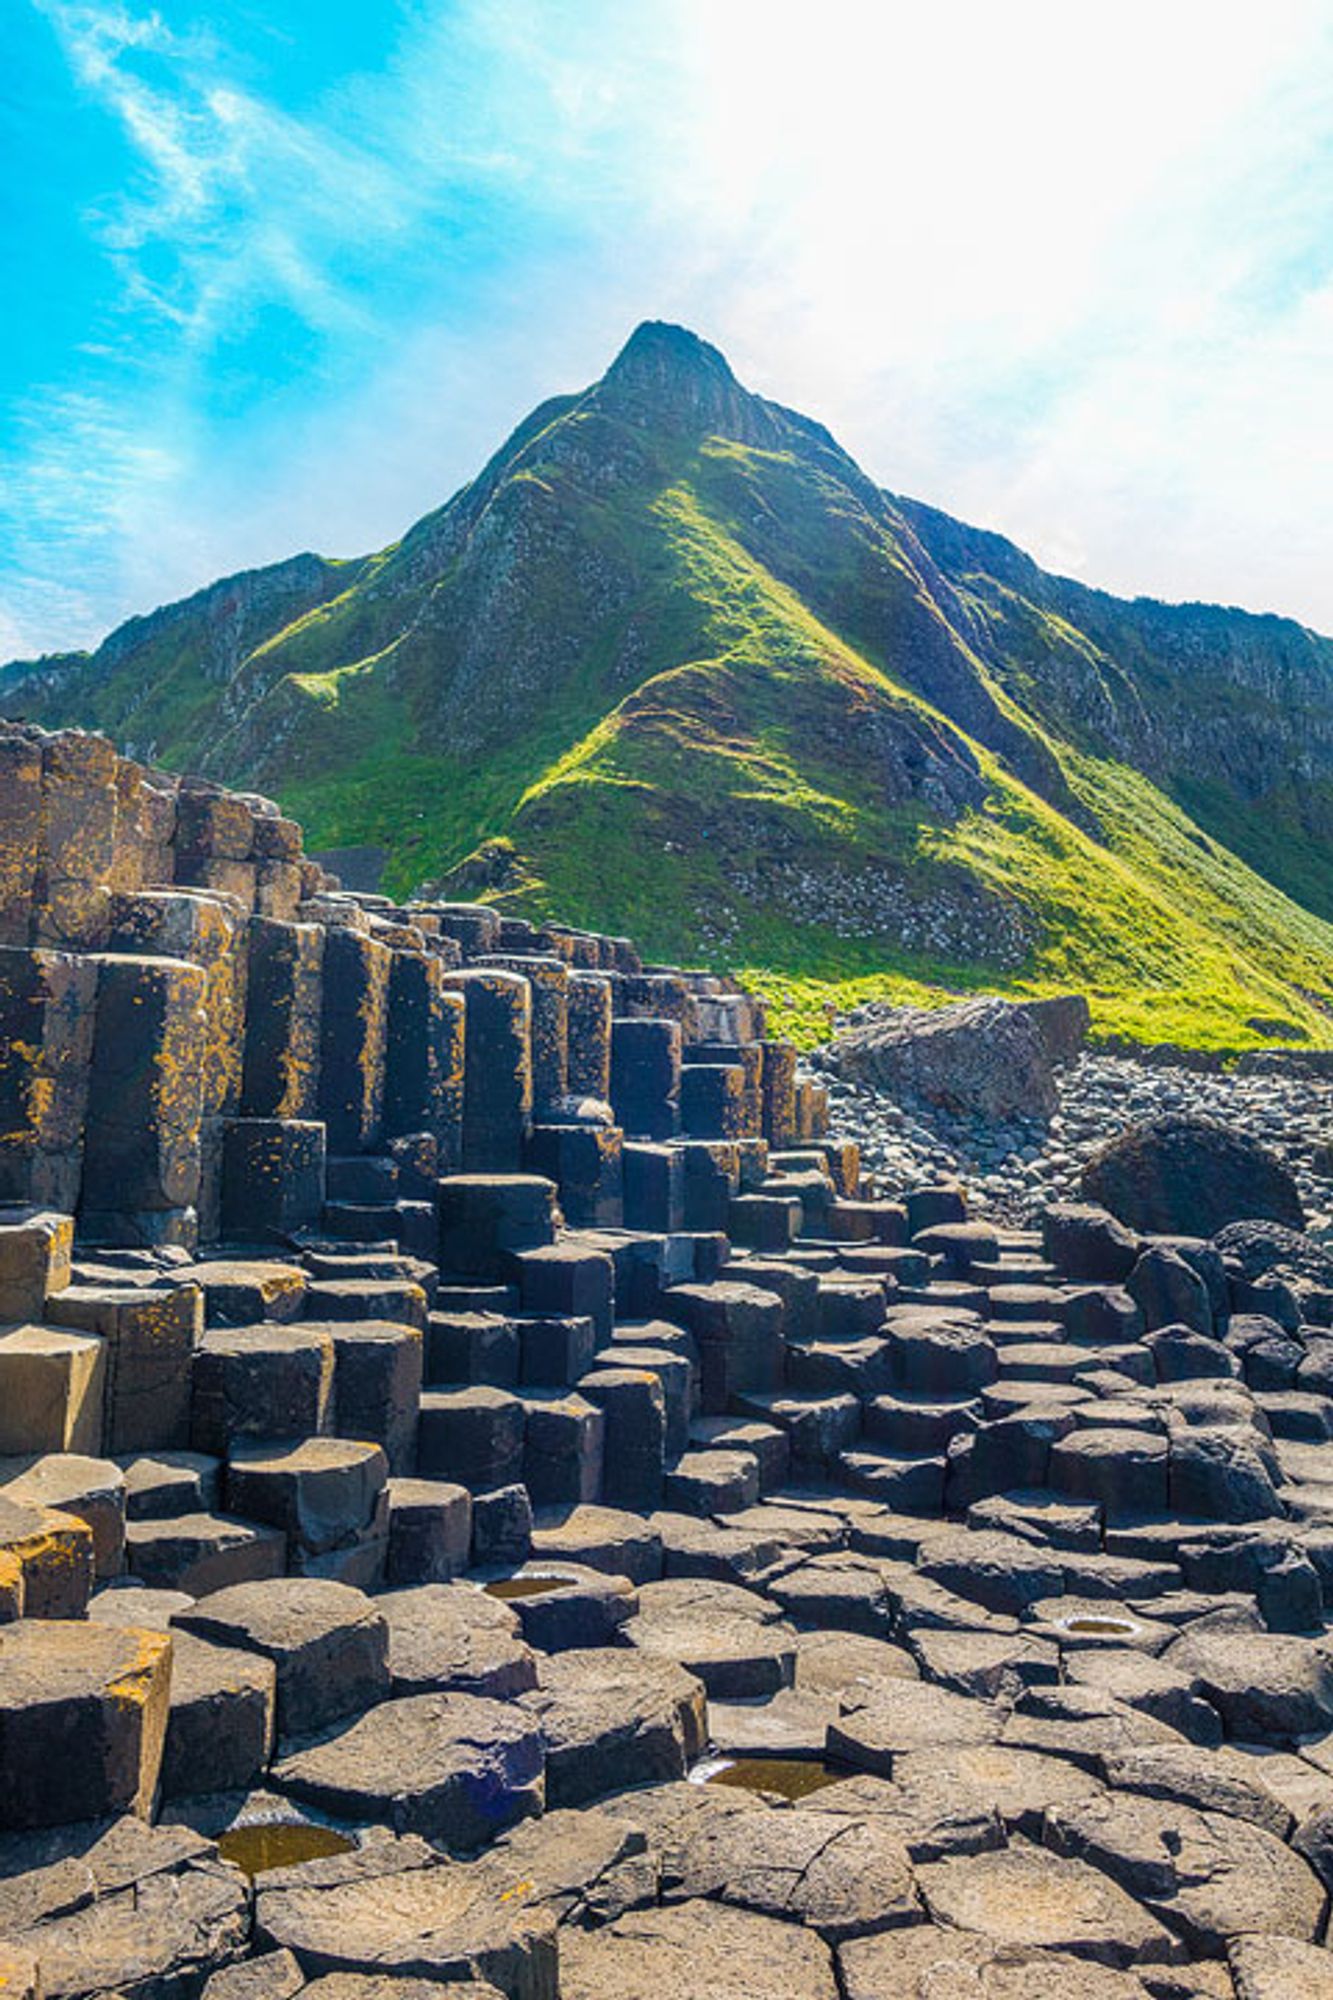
<point x="281" y="273"/>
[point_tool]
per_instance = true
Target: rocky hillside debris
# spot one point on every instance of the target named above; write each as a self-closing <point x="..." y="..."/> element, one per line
<point x="1191" y="1176"/>
<point x="771" y="1583"/>
<point x="992" y="1058"/>
<point x="1016" y="1166"/>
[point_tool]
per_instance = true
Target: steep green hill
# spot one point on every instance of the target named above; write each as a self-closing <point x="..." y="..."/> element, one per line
<point x="673" y="664"/>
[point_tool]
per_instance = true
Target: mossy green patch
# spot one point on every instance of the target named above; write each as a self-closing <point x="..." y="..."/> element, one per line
<point x="672" y="666"/>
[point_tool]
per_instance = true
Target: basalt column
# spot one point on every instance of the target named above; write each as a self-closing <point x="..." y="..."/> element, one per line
<point x="645" y="1077"/>
<point x="281" y="1071"/>
<point x="141" y="1158"/>
<point x="47" y="1005"/>
<point x="215" y="842"/>
<point x="423" y="1072"/>
<point x="353" y="1024"/>
<point x="77" y="842"/>
<point x="589" y="996"/>
<point x="497" y="1082"/>
<point x="20" y="834"/>
<point x="548" y="978"/>
<point x="210" y="932"/>
<point x="273" y="1154"/>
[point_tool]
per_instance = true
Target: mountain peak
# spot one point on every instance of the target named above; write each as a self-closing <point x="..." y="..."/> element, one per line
<point x="659" y="350"/>
<point x="665" y="374"/>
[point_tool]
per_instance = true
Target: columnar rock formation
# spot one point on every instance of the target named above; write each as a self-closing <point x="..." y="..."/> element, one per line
<point x="451" y="1384"/>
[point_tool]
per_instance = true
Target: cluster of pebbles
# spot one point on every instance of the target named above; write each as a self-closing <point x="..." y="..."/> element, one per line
<point x="1015" y="1167"/>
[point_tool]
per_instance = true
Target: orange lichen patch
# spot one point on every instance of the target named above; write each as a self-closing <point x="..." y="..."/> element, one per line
<point x="11" y="1587"/>
<point x="54" y="1554"/>
<point x="19" y="1978"/>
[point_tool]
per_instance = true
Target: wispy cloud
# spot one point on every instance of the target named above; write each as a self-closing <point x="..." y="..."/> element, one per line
<point x="235" y="198"/>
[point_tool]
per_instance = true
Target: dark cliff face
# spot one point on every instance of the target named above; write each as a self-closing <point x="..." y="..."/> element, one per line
<point x="1229" y="711"/>
<point x="671" y="618"/>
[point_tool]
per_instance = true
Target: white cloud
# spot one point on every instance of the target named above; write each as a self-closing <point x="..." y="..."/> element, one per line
<point x="1059" y="269"/>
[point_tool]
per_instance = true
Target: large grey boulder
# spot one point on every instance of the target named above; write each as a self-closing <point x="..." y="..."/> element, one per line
<point x="1182" y="1175"/>
<point x="995" y="1058"/>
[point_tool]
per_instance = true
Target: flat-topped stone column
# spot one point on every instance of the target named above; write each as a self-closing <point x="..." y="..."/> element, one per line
<point x="589" y="1002"/>
<point x="83" y="1719"/>
<point x="549" y="981"/>
<point x="210" y="932"/>
<point x="645" y="1076"/>
<point x="424" y="1054"/>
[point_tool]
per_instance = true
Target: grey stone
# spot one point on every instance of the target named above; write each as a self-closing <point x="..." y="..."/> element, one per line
<point x="452" y="1767"/>
<point x="329" y="1643"/>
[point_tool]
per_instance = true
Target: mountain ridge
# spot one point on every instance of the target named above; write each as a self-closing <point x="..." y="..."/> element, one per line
<point x="829" y="733"/>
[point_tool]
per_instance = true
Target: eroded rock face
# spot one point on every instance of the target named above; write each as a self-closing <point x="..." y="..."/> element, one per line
<point x="150" y="1910"/>
<point x="395" y="1909"/>
<point x="920" y="1963"/>
<point x="842" y="1878"/>
<point x="1026" y="1897"/>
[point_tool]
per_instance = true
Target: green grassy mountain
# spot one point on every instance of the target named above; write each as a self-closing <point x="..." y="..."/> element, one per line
<point x="673" y="664"/>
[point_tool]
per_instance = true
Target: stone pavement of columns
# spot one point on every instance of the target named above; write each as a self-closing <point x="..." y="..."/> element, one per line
<point x="490" y="1499"/>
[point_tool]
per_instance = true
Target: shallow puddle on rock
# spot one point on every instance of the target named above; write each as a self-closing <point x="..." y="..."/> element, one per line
<point x="280" y="1844"/>
<point x="525" y="1586"/>
<point x="1099" y="1628"/>
<point x="791" y="1777"/>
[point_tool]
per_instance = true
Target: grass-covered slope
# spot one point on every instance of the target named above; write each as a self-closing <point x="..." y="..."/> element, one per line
<point x="673" y="665"/>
